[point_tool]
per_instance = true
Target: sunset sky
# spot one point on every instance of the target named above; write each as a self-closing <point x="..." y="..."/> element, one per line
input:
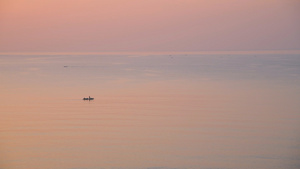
<point x="148" y="25"/>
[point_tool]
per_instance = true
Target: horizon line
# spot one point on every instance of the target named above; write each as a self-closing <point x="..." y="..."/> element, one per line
<point x="158" y="52"/>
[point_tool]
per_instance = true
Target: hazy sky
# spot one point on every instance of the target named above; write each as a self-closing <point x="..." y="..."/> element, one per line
<point x="148" y="25"/>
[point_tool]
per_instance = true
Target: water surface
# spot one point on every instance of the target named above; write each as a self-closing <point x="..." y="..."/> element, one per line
<point x="162" y="111"/>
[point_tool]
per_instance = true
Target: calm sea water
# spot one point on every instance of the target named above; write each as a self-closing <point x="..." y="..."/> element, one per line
<point x="151" y="111"/>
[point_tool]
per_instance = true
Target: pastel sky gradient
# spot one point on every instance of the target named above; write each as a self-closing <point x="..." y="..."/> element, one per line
<point x="148" y="25"/>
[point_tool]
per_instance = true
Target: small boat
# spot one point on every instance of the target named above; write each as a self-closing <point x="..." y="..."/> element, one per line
<point x="88" y="98"/>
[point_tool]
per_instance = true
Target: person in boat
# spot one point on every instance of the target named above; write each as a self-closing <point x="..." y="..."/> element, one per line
<point x="89" y="98"/>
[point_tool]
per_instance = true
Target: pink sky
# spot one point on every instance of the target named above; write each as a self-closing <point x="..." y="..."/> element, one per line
<point x="148" y="25"/>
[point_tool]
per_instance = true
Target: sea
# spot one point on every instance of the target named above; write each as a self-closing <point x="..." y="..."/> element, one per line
<point x="163" y="110"/>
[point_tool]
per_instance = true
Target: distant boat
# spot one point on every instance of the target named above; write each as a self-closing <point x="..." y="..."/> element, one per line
<point x="89" y="98"/>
